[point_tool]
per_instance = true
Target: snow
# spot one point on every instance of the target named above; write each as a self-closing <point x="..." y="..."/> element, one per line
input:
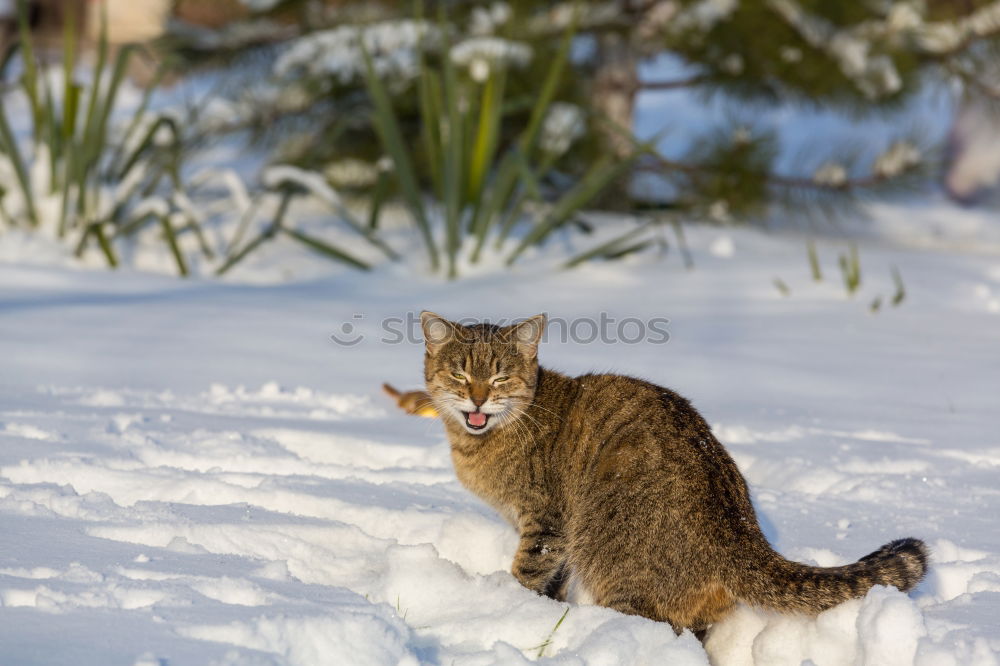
<point x="197" y="472"/>
<point x="393" y="46"/>
<point x="479" y="54"/>
<point x="194" y="472"/>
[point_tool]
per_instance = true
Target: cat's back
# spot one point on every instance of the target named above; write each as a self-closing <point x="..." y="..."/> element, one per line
<point x="615" y="401"/>
<point x="616" y="426"/>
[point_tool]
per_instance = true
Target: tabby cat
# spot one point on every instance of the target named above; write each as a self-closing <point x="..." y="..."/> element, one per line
<point x="617" y="485"/>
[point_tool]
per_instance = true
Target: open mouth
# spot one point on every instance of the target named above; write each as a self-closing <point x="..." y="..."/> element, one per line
<point x="476" y="420"/>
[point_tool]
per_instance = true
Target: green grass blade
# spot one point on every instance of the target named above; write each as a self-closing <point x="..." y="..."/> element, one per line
<point x="900" y="293"/>
<point x="855" y="265"/>
<point x="817" y="274"/>
<point x="548" y="639"/>
<point x="327" y="250"/>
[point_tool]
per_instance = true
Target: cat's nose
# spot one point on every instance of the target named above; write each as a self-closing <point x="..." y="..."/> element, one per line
<point x="478" y="402"/>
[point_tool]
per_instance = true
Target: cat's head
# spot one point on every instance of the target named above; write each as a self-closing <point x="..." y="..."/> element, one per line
<point x="481" y="377"/>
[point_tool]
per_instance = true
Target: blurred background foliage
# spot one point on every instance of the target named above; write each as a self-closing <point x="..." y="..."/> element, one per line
<point x="496" y="123"/>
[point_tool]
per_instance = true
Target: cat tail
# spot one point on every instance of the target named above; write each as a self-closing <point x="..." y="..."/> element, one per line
<point x="411" y="402"/>
<point x="788" y="586"/>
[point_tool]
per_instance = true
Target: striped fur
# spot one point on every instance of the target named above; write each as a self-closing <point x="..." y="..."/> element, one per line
<point x="620" y="484"/>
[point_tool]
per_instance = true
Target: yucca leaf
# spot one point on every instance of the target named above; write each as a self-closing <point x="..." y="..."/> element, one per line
<point x="242" y="254"/>
<point x="530" y="190"/>
<point x="326" y="249"/>
<point x="9" y="52"/>
<point x="494" y="199"/>
<point x="147" y="141"/>
<point x="244" y="223"/>
<point x="134" y="225"/>
<point x="378" y="195"/>
<point x="133" y="126"/>
<point x="454" y="171"/>
<point x="171" y="236"/>
<point x="8" y="144"/>
<point x="107" y="104"/>
<point x="70" y="167"/>
<point x="92" y="114"/>
<point x="429" y="88"/>
<point x="104" y="244"/>
<point x="487" y="132"/>
<point x="29" y="78"/>
<point x="682" y="243"/>
<point x="610" y="248"/>
<point x="593" y="182"/>
<point x="270" y="232"/>
<point x="387" y="128"/>
<point x="71" y="91"/>
<point x="365" y="232"/>
<point x="50" y="131"/>
<point x="545" y="96"/>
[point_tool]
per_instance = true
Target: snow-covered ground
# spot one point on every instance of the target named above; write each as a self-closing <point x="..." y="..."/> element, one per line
<point x="194" y="472"/>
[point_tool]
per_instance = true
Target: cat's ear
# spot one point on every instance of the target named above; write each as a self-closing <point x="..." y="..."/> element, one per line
<point x="438" y="331"/>
<point x="527" y="334"/>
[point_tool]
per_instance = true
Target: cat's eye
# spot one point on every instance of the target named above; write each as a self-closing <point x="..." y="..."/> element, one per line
<point x="459" y="376"/>
<point x="501" y="379"/>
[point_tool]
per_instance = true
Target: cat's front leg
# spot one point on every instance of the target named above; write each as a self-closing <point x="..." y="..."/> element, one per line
<point x="540" y="561"/>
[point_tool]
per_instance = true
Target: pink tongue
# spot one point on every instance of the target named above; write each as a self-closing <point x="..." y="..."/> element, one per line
<point x="477" y="419"/>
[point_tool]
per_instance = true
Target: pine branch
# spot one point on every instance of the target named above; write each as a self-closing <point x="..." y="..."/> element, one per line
<point x="690" y="82"/>
<point x="976" y="26"/>
<point x="972" y="81"/>
<point x="662" y="164"/>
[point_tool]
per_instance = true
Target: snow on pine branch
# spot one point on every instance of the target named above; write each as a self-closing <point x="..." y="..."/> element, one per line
<point x="481" y="54"/>
<point x="874" y="75"/>
<point x="394" y="47"/>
